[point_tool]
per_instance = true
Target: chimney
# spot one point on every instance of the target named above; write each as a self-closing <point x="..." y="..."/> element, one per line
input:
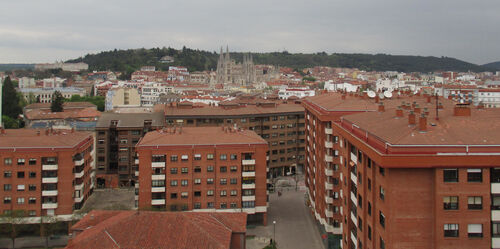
<point x="411" y="118"/>
<point x="399" y="112"/>
<point x="462" y="110"/>
<point x="381" y="107"/>
<point x="422" y="123"/>
<point x="377" y="99"/>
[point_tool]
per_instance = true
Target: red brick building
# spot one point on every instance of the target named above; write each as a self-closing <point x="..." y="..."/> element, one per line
<point x="402" y="178"/>
<point x="146" y="229"/>
<point x="45" y="173"/>
<point x="203" y="169"/>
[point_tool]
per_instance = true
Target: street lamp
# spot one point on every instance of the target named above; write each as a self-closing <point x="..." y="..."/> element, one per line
<point x="274" y="233"/>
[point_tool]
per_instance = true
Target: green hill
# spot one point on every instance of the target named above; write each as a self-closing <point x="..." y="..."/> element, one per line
<point x="127" y="61"/>
<point x="9" y="67"/>
<point x="493" y="65"/>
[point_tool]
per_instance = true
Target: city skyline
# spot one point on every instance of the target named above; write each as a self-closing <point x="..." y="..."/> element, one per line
<point x="59" y="30"/>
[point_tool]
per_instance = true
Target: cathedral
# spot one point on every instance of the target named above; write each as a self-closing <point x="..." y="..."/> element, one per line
<point x="243" y="74"/>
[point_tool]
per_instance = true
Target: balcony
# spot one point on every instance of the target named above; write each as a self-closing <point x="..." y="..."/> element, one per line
<point x="136" y="185"/>
<point x="328" y="213"/>
<point x="49" y="167"/>
<point x="157" y="164"/>
<point x="248" y="162"/>
<point x="80" y="175"/>
<point x="328" y="200"/>
<point x="495" y="215"/>
<point x="248" y="174"/>
<point x="328" y="131"/>
<point x="248" y="186"/>
<point x="354" y="219"/>
<point x="495" y="242"/>
<point x="328" y="172"/>
<point x="267" y="158"/>
<point x="158" y="202"/>
<point x="79" y="186"/>
<point x="354" y="199"/>
<point x="136" y="161"/>
<point x="92" y="174"/>
<point x="328" y="145"/>
<point x="328" y="186"/>
<point x="49" y="193"/>
<point x="328" y="158"/>
<point x="136" y="173"/>
<point x="354" y="178"/>
<point x="267" y="169"/>
<point x="49" y="179"/>
<point x="78" y="199"/>
<point x="248" y="198"/>
<point x="158" y="189"/>
<point x="354" y="158"/>
<point x="49" y="205"/>
<point x="495" y="188"/>
<point x="354" y="240"/>
<point x="79" y="162"/>
<point x="157" y="177"/>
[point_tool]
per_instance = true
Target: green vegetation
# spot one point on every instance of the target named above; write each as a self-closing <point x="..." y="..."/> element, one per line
<point x="12" y="105"/>
<point x="271" y="246"/>
<point x="128" y="61"/>
<point x="99" y="101"/>
<point x="57" y="102"/>
<point x="8" y="67"/>
<point x="493" y="65"/>
<point x="308" y="78"/>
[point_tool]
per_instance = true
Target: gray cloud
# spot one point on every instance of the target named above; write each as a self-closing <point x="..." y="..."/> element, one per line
<point x="41" y="31"/>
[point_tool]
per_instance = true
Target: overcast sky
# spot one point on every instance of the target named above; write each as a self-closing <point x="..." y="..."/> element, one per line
<point x="49" y="30"/>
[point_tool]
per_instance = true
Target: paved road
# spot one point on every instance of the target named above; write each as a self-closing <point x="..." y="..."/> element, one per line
<point x="36" y="241"/>
<point x="295" y="227"/>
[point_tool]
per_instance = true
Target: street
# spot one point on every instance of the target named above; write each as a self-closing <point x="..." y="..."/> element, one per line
<point x="295" y="227"/>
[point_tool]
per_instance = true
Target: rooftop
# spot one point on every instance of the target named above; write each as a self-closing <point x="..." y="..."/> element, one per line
<point x="130" y="119"/>
<point x="29" y="138"/>
<point x="66" y="105"/>
<point x="44" y="114"/>
<point x="147" y="229"/>
<point x="200" y="136"/>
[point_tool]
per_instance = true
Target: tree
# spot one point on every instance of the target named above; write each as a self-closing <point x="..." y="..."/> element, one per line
<point x="9" y="122"/>
<point x="12" y="221"/>
<point x="57" y="102"/>
<point x="10" y="100"/>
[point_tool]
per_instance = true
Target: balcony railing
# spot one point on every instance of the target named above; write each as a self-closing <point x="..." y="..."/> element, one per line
<point x="248" y="162"/>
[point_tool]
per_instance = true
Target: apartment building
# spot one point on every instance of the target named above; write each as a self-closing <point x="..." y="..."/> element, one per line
<point x="45" y="172"/>
<point x="208" y="169"/>
<point x="404" y="176"/>
<point x="281" y="124"/>
<point x="116" y="137"/>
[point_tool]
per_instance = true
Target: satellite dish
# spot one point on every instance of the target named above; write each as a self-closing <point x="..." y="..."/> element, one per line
<point x="381" y="96"/>
<point x="388" y="94"/>
<point x="371" y="94"/>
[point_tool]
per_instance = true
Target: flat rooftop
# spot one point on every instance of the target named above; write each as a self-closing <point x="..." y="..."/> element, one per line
<point x="29" y="138"/>
<point x="130" y="120"/>
<point x="236" y="111"/>
<point x="200" y="136"/>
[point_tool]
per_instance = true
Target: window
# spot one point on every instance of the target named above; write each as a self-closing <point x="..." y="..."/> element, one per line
<point x="382" y="193"/>
<point x="233" y="205"/>
<point x="32" y="200"/>
<point x="382" y="219"/>
<point x="210" y="192"/>
<point x="32" y="213"/>
<point x="223" y="193"/>
<point x="184" y="194"/>
<point x="210" y="156"/>
<point x="20" y="200"/>
<point x="234" y="192"/>
<point x="7" y="187"/>
<point x="210" y="180"/>
<point x="210" y="168"/>
<point x="32" y="174"/>
<point x="32" y="161"/>
<point x="223" y="157"/>
<point x="173" y="158"/>
<point x="234" y="180"/>
<point x="7" y="200"/>
<point x="32" y="187"/>
<point x="369" y="184"/>
<point x="197" y="157"/>
<point x="184" y="182"/>
<point x="450" y="230"/>
<point x="475" y="230"/>
<point x="197" y="181"/>
<point x="223" y="205"/>
<point x="474" y="175"/>
<point x="369" y="208"/>
<point x="475" y="202"/>
<point x="184" y="158"/>
<point x="450" y="202"/>
<point x="197" y="169"/>
<point x="197" y="193"/>
<point x="495" y="229"/>
<point x="184" y="170"/>
<point x="234" y="157"/>
<point x="20" y="174"/>
<point x="20" y="161"/>
<point x="223" y="169"/>
<point x="382" y="243"/>
<point x="450" y="175"/>
<point x="210" y="205"/>
<point x="173" y="183"/>
<point x="7" y="161"/>
<point x="7" y="174"/>
<point x="157" y="183"/>
<point x="173" y="195"/>
<point x="173" y="170"/>
<point x="248" y="204"/>
<point x="381" y="170"/>
<point x="197" y="205"/>
<point x="234" y="168"/>
<point x="369" y="232"/>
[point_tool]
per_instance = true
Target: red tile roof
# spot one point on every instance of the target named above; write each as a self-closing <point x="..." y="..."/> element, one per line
<point x="147" y="229"/>
<point x="44" y="114"/>
<point x="28" y="138"/>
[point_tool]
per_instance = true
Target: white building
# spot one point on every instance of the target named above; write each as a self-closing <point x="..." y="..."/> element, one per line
<point x="122" y="97"/>
<point x="151" y="92"/>
<point x="298" y="92"/>
<point x="45" y="94"/>
<point x="26" y="82"/>
<point x="334" y="87"/>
